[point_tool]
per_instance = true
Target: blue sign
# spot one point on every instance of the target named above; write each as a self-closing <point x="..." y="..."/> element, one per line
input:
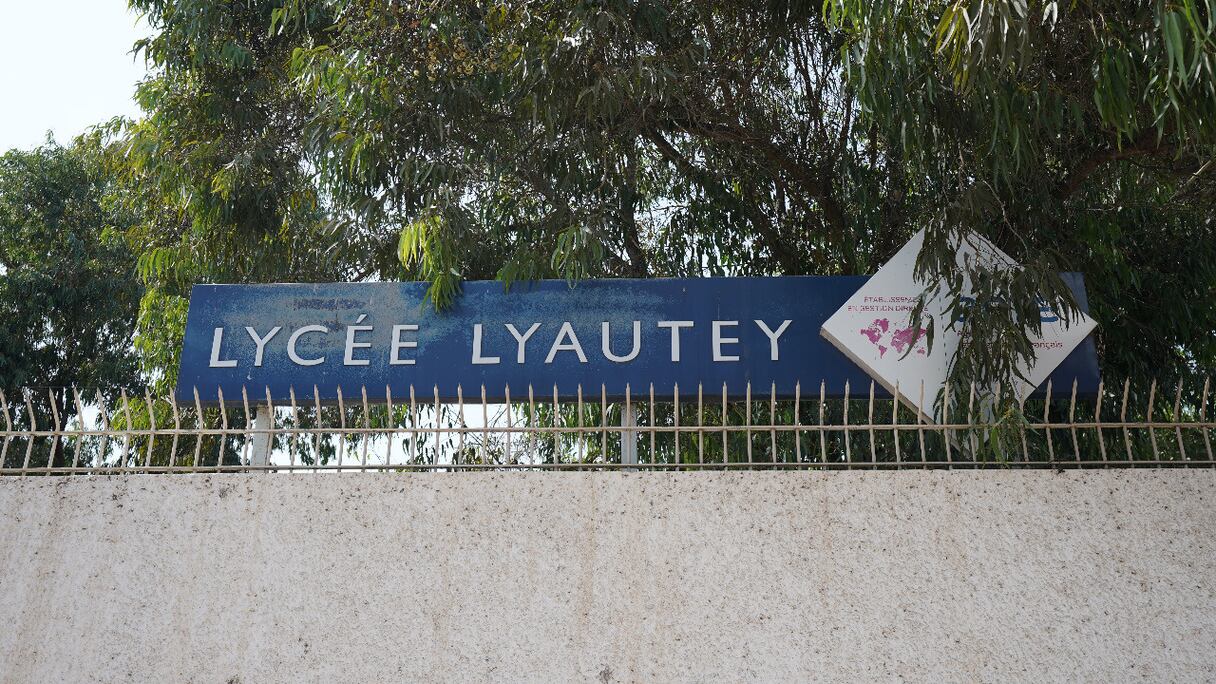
<point x="381" y="337"/>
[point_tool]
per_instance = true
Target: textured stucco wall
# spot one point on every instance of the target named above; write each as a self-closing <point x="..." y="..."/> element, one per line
<point x="607" y="577"/>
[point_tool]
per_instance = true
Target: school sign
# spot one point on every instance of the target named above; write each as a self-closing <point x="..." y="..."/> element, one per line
<point x="594" y="336"/>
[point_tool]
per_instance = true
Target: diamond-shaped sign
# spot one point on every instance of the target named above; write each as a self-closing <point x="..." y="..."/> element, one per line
<point x="873" y="328"/>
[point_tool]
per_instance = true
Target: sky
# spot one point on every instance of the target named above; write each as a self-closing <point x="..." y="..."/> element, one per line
<point x="64" y="66"/>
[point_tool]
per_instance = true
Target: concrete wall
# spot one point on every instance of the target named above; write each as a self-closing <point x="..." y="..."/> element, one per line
<point x="606" y="577"/>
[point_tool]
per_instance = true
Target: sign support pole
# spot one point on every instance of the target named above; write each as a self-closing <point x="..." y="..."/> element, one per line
<point x="261" y="440"/>
<point x="629" y="437"/>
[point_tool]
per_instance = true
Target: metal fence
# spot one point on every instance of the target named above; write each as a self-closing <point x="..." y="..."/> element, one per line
<point x="66" y="431"/>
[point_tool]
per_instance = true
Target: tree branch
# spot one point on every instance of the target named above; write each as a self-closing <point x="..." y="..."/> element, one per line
<point x="810" y="180"/>
<point x="790" y="263"/>
<point x="1145" y="144"/>
<point x="639" y="266"/>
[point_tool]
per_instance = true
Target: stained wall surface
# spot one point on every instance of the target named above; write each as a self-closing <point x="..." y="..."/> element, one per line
<point x="610" y="577"/>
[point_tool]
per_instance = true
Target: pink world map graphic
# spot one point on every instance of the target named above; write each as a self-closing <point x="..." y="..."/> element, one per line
<point x="883" y="335"/>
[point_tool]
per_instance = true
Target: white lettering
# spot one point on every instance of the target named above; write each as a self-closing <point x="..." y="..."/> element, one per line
<point x="261" y="342"/>
<point x="675" y="336"/>
<point x="216" y="340"/>
<point x="351" y="345"/>
<point x="521" y="340"/>
<point x="567" y="331"/>
<point x="606" y="339"/>
<point x="773" y="336"/>
<point x="719" y="340"/>
<point x="295" y="337"/>
<point x="395" y="359"/>
<point x="478" y="359"/>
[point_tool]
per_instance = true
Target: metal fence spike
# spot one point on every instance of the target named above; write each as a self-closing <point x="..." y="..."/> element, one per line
<point x="444" y="436"/>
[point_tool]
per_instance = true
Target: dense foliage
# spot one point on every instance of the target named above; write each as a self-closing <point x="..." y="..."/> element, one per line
<point x="68" y="289"/>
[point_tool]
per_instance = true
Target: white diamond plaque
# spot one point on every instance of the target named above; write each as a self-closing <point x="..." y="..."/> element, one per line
<point x="873" y="328"/>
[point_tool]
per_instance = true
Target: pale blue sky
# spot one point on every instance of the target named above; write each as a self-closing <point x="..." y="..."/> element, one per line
<point x="64" y="66"/>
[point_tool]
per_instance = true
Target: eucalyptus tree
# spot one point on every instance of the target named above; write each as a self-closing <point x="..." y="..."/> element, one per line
<point x="526" y="140"/>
